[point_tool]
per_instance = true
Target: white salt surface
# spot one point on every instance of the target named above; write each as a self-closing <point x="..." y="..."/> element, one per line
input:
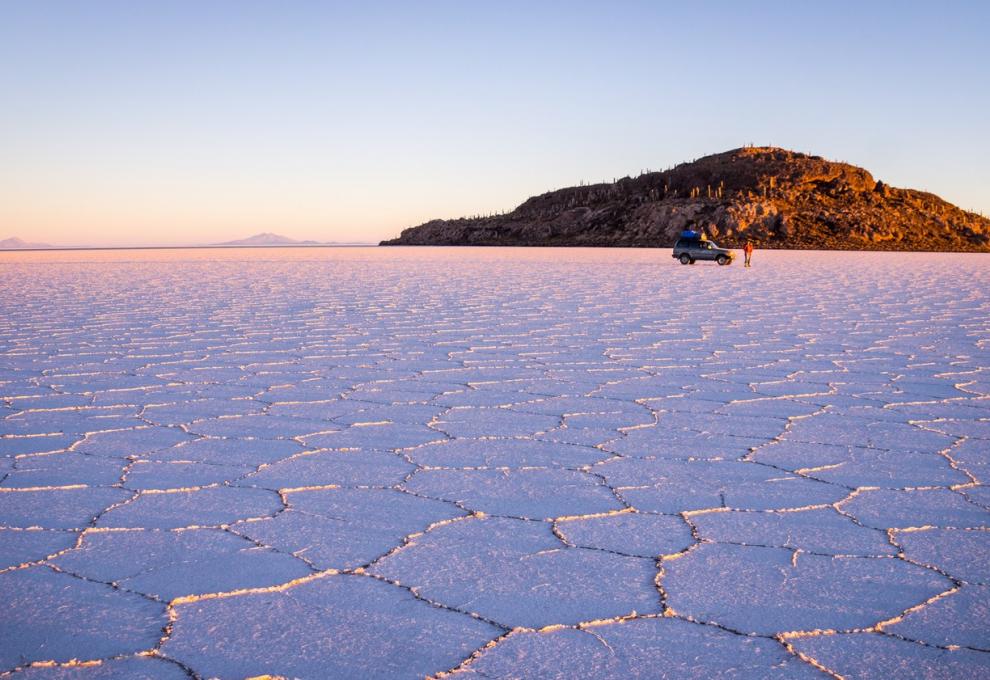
<point x="498" y="462"/>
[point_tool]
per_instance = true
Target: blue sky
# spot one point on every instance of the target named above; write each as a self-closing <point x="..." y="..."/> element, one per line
<point x="127" y="123"/>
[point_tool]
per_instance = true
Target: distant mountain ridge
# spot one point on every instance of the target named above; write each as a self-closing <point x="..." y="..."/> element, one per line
<point x="14" y="243"/>
<point x="270" y="239"/>
<point x="260" y="240"/>
<point x="267" y="239"/>
<point x="775" y="197"/>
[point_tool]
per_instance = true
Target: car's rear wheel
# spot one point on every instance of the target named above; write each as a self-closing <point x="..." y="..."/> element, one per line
<point x="722" y="260"/>
<point x="685" y="259"/>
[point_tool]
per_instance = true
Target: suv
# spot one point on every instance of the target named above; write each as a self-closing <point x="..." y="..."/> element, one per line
<point x="688" y="249"/>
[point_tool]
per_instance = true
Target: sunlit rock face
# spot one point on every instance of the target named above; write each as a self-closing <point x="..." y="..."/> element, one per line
<point x="775" y="197"/>
<point x="494" y="462"/>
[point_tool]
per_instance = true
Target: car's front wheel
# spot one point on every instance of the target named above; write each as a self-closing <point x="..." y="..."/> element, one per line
<point x="685" y="258"/>
<point x="722" y="260"/>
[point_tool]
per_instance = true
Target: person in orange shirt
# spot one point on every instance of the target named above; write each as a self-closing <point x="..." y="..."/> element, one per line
<point x="748" y="252"/>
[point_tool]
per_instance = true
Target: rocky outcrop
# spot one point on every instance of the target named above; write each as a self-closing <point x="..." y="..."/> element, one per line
<point x="775" y="197"/>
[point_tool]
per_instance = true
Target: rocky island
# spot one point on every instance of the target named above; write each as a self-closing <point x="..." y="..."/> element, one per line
<point x="776" y="197"/>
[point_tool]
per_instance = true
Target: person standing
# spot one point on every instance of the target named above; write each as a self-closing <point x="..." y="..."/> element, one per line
<point x="748" y="252"/>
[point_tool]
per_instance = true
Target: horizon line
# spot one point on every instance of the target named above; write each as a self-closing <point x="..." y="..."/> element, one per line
<point x="190" y="247"/>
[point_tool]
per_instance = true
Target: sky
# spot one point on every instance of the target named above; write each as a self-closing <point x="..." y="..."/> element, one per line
<point x="184" y="122"/>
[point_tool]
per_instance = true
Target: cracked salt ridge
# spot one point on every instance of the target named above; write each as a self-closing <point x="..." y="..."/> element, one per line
<point x="336" y="625"/>
<point x="821" y="531"/>
<point x="51" y="616"/>
<point x="504" y="453"/>
<point x="322" y="468"/>
<point x="168" y="564"/>
<point x="967" y="607"/>
<point x="673" y="486"/>
<point x="869" y="655"/>
<point x="637" y="648"/>
<point x="854" y="365"/>
<point x="787" y="591"/>
<point x="62" y="469"/>
<point x="887" y="509"/>
<point x="526" y="493"/>
<point x="175" y="508"/>
<point x="862" y="466"/>
<point x="26" y="546"/>
<point x="139" y="667"/>
<point x="347" y="528"/>
<point x="520" y="574"/>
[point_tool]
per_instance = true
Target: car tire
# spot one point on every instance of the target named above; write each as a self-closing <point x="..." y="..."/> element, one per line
<point x="722" y="260"/>
<point x="685" y="259"/>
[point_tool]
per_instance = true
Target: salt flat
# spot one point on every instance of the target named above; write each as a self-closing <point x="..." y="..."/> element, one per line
<point x="362" y="462"/>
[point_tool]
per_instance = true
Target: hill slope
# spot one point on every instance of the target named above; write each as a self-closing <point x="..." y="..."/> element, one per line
<point x="777" y="198"/>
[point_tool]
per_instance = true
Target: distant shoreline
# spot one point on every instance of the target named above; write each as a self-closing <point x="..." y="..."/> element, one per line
<point x="625" y="246"/>
<point x="473" y="246"/>
<point x="208" y="247"/>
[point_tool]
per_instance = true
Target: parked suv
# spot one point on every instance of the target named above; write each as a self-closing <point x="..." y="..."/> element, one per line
<point x="688" y="249"/>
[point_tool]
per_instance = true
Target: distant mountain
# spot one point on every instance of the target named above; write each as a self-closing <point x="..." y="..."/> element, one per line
<point x="15" y="243"/>
<point x="774" y="197"/>
<point x="267" y="239"/>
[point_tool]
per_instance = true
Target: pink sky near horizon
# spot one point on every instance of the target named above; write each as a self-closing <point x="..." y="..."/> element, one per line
<point x="187" y="123"/>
